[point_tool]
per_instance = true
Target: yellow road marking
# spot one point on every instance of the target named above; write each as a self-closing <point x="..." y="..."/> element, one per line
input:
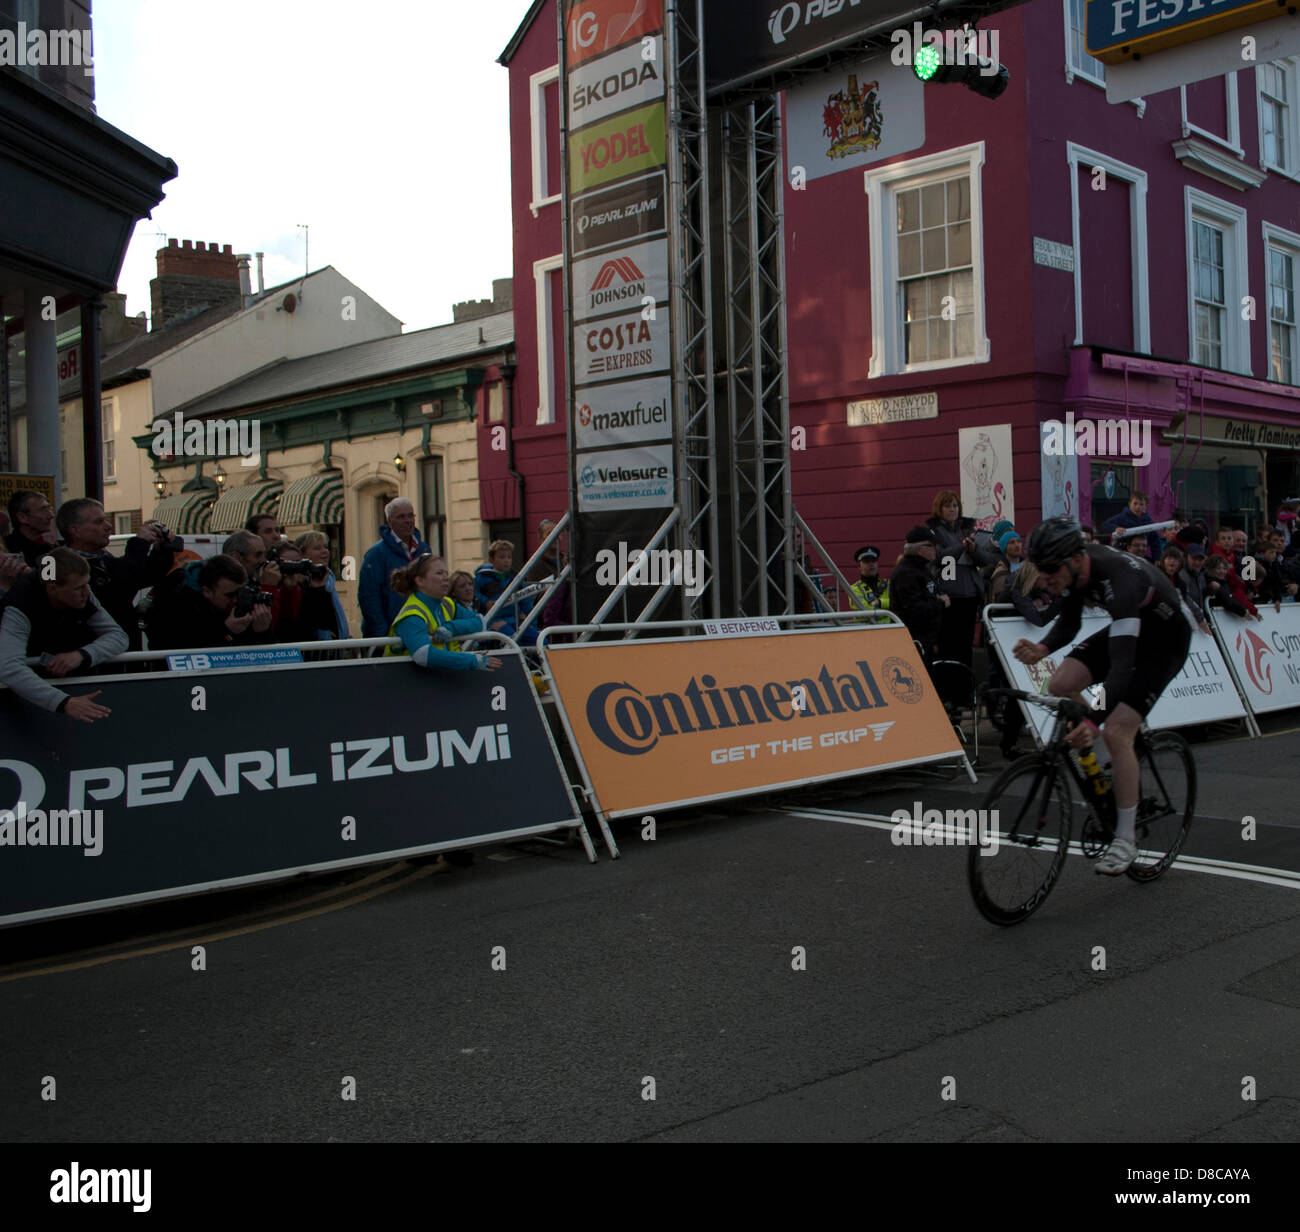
<point x="417" y="875"/>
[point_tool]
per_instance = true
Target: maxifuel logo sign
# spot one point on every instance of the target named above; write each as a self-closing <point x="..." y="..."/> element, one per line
<point x="620" y="346"/>
<point x="630" y="142"/>
<point x="624" y="413"/>
<point x="615" y="82"/>
<point x="626" y="278"/>
<point x="619" y="214"/>
<point x="625" y="479"/>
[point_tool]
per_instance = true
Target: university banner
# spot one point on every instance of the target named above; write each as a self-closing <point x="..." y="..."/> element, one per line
<point x="1265" y="654"/>
<point x="663" y="723"/>
<point x="194" y="782"/>
<point x="1203" y="692"/>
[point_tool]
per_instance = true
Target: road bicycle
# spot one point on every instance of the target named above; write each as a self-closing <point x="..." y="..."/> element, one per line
<point x="1031" y="807"/>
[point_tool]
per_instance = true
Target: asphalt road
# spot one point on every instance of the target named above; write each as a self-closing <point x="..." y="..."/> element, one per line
<point x="677" y="963"/>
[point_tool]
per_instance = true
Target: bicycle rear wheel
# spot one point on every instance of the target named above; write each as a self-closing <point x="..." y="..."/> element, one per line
<point x="1032" y="802"/>
<point x="1166" y="802"/>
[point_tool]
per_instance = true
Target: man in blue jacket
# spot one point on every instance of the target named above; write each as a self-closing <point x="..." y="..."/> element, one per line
<point x="399" y="544"/>
<point x="1136" y="515"/>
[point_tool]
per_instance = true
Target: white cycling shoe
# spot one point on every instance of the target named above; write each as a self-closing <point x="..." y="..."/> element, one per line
<point x="1117" y="857"/>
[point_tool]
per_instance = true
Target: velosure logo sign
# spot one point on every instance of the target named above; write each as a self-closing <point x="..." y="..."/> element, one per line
<point x="618" y="214"/>
<point x="659" y="723"/>
<point x="629" y="142"/>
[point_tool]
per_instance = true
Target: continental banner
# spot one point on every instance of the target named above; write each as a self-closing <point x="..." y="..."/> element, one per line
<point x="661" y="723"/>
<point x="353" y="763"/>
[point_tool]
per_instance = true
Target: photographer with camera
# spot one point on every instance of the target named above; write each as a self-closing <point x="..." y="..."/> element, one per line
<point x="209" y="603"/>
<point x="306" y="609"/>
<point x="116" y="580"/>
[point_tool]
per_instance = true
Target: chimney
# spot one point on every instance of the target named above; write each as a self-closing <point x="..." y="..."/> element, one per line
<point x="244" y="262"/>
<point x="261" y="285"/>
<point x="192" y="277"/>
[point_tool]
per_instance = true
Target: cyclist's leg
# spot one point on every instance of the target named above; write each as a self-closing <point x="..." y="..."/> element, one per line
<point x="1121" y="730"/>
<point x="1070" y="679"/>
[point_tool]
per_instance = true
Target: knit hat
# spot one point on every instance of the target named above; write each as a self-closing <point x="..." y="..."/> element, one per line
<point x="921" y="534"/>
<point x="1000" y="529"/>
<point x="1006" y="538"/>
<point x="1195" y="549"/>
<point x="1190" y="534"/>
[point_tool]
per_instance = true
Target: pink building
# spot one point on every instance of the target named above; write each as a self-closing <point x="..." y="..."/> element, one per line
<point x="1044" y="256"/>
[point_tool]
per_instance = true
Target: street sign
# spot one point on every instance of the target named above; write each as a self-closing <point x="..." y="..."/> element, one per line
<point x="1118" y="30"/>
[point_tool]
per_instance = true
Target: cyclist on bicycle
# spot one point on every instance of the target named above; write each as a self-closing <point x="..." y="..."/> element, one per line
<point x="1136" y="656"/>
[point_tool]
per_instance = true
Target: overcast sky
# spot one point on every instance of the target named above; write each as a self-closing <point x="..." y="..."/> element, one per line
<point x="383" y="126"/>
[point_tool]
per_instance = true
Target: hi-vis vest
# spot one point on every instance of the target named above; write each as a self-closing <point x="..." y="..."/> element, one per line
<point x="413" y="606"/>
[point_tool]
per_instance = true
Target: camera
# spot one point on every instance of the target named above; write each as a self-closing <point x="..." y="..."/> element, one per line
<point x="248" y="597"/>
<point x="303" y="568"/>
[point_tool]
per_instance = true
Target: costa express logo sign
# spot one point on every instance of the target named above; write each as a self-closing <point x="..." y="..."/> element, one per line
<point x="594" y="27"/>
<point x="662" y="722"/>
<point x="630" y="142"/>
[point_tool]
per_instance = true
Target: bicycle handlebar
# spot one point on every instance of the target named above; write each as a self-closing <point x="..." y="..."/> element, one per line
<point x="1067" y="707"/>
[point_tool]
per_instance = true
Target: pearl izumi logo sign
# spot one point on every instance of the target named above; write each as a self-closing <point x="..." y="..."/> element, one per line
<point x="620" y="346"/>
<point x="615" y="82"/>
<point x="626" y="278"/>
<point x="619" y="214"/>
<point x="624" y="413"/>
<point x="626" y="478"/>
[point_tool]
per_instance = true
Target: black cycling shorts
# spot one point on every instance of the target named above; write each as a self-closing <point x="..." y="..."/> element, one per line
<point x="1161" y="653"/>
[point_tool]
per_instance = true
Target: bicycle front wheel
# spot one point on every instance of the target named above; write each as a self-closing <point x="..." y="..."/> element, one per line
<point x="1029" y="807"/>
<point x="1166" y="802"/>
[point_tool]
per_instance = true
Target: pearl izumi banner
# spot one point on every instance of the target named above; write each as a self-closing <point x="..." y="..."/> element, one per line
<point x="355" y="763"/>
<point x="1203" y="692"/>
<point x="663" y="723"/>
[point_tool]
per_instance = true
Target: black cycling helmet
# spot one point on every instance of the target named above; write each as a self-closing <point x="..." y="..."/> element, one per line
<point x="1053" y="542"/>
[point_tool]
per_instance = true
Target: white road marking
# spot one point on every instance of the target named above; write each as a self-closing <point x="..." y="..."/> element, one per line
<point x="1199" y="864"/>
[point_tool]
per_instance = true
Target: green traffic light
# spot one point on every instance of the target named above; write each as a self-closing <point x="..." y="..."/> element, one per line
<point x="926" y="61"/>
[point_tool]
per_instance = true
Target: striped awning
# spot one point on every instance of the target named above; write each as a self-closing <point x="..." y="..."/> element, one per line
<point x="234" y="508"/>
<point x="186" y="513"/>
<point x="314" y="500"/>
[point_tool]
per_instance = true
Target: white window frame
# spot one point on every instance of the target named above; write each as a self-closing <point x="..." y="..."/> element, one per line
<point x="1232" y="141"/>
<point x="1079" y="155"/>
<point x="108" y="433"/>
<point x="1292" y="70"/>
<point x="545" y="340"/>
<point x="1200" y="206"/>
<point x="537" y="84"/>
<point x="1279" y="237"/>
<point x="118" y="528"/>
<point x="1086" y="72"/>
<point x="882" y="186"/>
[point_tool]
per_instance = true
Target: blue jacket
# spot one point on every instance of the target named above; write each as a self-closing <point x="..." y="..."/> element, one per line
<point x="341" y="621"/>
<point x="1127" y="519"/>
<point x="379" y="606"/>
<point x="420" y="646"/>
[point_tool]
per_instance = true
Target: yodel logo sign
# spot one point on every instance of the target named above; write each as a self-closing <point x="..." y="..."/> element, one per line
<point x="687" y="719"/>
<point x="618" y="214"/>
<point x="630" y="142"/>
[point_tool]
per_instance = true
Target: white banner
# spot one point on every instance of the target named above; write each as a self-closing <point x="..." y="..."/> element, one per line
<point x="857" y="115"/>
<point x="622" y="279"/>
<point x="625" y="413"/>
<point x="622" y="346"/>
<point x="1265" y="654"/>
<point x="987" y="493"/>
<point x="622" y="79"/>
<point x="1202" y="692"/>
<point x="625" y="478"/>
<point x="1060" y="476"/>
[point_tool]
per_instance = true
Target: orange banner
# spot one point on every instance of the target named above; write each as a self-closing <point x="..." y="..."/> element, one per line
<point x="661" y="723"/>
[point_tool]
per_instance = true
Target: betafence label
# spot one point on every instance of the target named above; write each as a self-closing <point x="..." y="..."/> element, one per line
<point x="665" y="722"/>
<point x="1202" y="692"/>
<point x="1266" y="655"/>
<point x="354" y="762"/>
